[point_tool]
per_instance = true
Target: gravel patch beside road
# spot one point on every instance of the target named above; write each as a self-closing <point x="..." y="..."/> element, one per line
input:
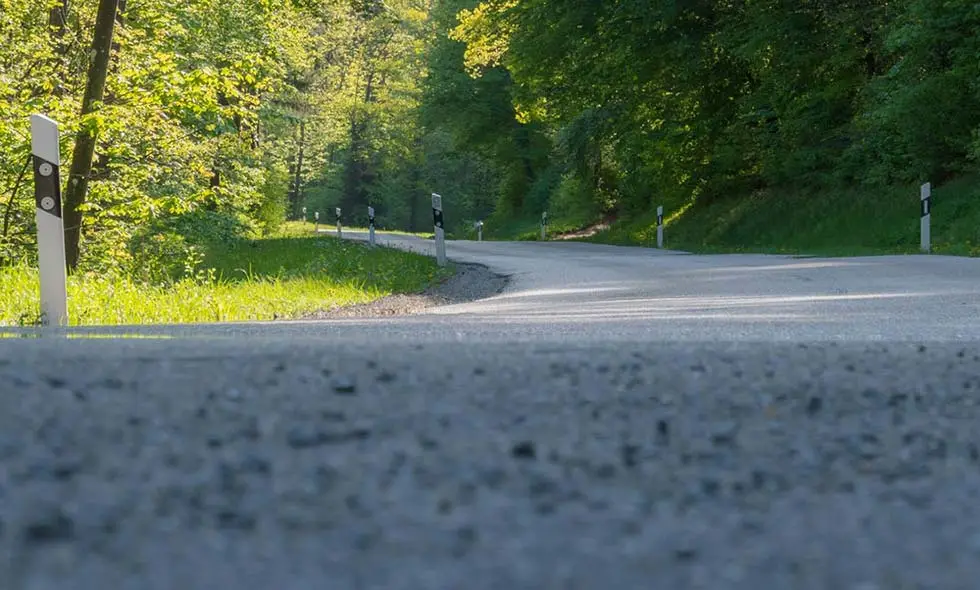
<point x="471" y="282"/>
<point x="303" y="464"/>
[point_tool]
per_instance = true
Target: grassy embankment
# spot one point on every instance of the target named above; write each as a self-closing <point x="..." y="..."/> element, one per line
<point x="332" y="229"/>
<point x="852" y="222"/>
<point x="528" y="230"/>
<point x="286" y="276"/>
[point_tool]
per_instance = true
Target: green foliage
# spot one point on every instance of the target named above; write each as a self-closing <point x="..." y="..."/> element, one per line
<point x="191" y="116"/>
<point x="208" y="229"/>
<point x="575" y="201"/>
<point x="271" y="211"/>
<point x="589" y="110"/>
<point x="174" y="248"/>
<point x="162" y="258"/>
<point x="667" y="103"/>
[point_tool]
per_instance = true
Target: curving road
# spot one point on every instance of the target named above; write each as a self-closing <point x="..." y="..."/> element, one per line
<point x="617" y="418"/>
<point x="601" y="293"/>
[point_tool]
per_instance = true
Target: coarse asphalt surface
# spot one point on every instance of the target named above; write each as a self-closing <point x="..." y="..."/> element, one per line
<point x="616" y="418"/>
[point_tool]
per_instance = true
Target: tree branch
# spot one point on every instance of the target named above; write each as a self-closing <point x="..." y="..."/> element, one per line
<point x="13" y="195"/>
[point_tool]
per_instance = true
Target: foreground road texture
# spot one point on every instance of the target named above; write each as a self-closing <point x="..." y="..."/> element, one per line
<point x="615" y="419"/>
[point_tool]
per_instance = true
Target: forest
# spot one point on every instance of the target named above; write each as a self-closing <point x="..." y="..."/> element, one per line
<point x="220" y="118"/>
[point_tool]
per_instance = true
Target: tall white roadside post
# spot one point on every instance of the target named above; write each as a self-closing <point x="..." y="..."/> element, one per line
<point x="316" y="222"/>
<point x="50" y="223"/>
<point x="544" y="226"/>
<point x="440" y="229"/>
<point x="340" y="230"/>
<point x="926" y="196"/>
<point x="304" y="216"/>
<point x="660" y="227"/>
<point x="479" y="231"/>
<point x="371" y="225"/>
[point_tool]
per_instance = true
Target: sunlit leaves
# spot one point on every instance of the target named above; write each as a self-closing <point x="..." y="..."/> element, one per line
<point x="185" y="105"/>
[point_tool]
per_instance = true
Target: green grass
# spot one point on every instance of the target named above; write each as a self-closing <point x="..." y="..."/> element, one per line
<point x="275" y="278"/>
<point x="298" y="228"/>
<point x="527" y="229"/>
<point x="853" y="222"/>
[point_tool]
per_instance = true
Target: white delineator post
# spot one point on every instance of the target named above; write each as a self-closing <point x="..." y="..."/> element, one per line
<point x="660" y="227"/>
<point x="440" y="229"/>
<point x="50" y="223"/>
<point x="544" y="226"/>
<point x="316" y="221"/>
<point x="479" y="231"/>
<point x="340" y="231"/>
<point x="926" y="196"/>
<point x="371" y="225"/>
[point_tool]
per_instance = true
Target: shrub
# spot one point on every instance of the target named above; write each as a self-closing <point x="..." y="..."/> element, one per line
<point x="162" y="258"/>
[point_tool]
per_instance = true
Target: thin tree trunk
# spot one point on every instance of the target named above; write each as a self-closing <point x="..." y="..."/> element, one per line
<point x="100" y="168"/>
<point x="413" y="210"/>
<point x="417" y="190"/>
<point x="58" y="26"/>
<point x="81" y="164"/>
<point x="298" y="179"/>
<point x="58" y="21"/>
<point x="13" y="195"/>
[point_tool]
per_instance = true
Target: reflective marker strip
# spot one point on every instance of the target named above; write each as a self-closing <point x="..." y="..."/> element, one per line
<point x="440" y="232"/>
<point x="437" y="211"/>
<point x="47" y="187"/>
<point x="47" y="165"/>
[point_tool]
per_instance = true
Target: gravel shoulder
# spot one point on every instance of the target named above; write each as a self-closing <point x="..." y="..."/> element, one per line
<point x="471" y="282"/>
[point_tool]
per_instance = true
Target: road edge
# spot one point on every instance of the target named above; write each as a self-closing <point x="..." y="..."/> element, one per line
<point x="471" y="282"/>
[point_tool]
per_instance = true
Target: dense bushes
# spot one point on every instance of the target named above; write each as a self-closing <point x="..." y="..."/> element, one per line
<point x="663" y="102"/>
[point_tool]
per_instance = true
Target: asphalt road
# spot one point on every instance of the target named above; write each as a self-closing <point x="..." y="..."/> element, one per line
<point x="617" y="418"/>
<point x="600" y="293"/>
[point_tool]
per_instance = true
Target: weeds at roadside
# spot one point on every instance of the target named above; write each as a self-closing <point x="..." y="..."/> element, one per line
<point x="254" y="280"/>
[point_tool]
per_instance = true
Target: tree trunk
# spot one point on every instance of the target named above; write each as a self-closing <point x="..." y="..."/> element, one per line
<point x="58" y="26"/>
<point x="414" y="204"/>
<point x="58" y="21"/>
<point x="416" y="192"/>
<point x="81" y="163"/>
<point x="298" y="178"/>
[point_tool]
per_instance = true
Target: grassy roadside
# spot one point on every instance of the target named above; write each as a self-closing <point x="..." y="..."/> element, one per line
<point x="850" y="222"/>
<point x="853" y="222"/>
<point x="282" y="277"/>
<point x="525" y="229"/>
<point x="300" y="228"/>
